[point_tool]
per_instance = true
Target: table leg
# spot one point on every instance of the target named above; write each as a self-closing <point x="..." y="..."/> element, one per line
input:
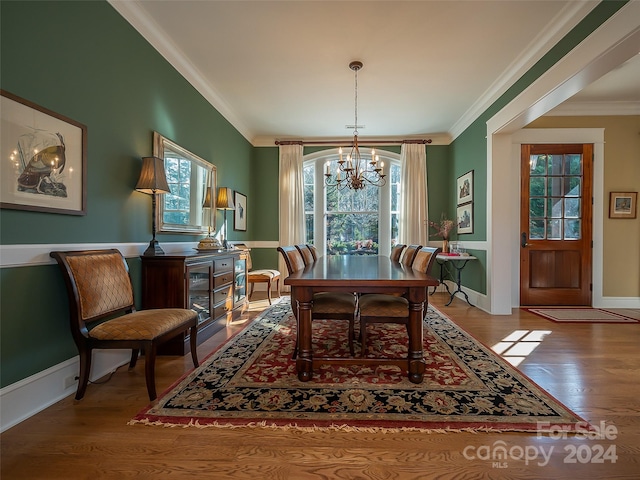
<point x="458" y="282"/>
<point x="415" y="359"/>
<point x="304" y="361"/>
<point x="442" y="268"/>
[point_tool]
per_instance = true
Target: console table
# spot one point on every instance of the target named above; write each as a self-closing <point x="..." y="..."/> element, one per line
<point x="211" y="283"/>
<point x="458" y="262"/>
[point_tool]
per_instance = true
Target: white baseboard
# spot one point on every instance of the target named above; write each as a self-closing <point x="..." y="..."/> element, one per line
<point x="33" y="394"/>
<point x="617" y="302"/>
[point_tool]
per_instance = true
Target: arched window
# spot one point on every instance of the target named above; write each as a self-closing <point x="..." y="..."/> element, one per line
<point x="341" y="222"/>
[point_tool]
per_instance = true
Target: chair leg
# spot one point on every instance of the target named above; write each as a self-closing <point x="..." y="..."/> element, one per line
<point x="269" y="291"/>
<point x="149" y="370"/>
<point x="363" y="338"/>
<point x="83" y="375"/>
<point x="251" y="292"/>
<point x="193" y="339"/>
<point x="135" y="352"/>
<point x="351" y="337"/>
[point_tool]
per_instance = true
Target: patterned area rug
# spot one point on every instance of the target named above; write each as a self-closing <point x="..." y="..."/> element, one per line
<point x="251" y="381"/>
<point x="588" y="315"/>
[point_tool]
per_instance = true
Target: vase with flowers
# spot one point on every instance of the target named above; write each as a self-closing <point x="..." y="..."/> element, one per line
<point x="443" y="229"/>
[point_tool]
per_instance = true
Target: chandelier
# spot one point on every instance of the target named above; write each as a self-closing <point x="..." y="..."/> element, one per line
<point x="356" y="172"/>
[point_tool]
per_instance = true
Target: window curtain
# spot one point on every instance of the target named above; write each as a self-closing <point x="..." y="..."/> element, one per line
<point x="413" y="217"/>
<point x="291" y="200"/>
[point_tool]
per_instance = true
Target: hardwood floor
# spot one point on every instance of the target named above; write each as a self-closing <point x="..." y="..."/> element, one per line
<point x="592" y="368"/>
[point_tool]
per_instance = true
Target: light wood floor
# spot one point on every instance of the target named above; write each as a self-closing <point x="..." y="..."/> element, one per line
<point x="592" y="368"/>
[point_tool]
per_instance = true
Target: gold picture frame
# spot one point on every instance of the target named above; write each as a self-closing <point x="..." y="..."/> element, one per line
<point x="46" y="167"/>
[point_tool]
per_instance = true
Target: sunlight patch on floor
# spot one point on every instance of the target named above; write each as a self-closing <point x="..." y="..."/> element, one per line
<point x="519" y="344"/>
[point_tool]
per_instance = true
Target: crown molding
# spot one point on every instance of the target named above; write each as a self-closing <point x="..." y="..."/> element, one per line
<point x="140" y="20"/>
<point x="582" y="109"/>
<point x="560" y="26"/>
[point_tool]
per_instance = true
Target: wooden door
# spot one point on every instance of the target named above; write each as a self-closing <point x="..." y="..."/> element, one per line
<point x="556" y="224"/>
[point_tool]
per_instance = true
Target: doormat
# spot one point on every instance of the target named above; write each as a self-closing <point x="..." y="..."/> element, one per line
<point x="588" y="315"/>
<point x="251" y="381"/>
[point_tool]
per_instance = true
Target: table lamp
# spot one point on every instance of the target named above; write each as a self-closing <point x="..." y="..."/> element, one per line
<point x="225" y="202"/>
<point x="153" y="182"/>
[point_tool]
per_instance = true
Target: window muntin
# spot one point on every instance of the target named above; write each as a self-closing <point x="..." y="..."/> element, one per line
<point x="555" y="190"/>
<point x="349" y="222"/>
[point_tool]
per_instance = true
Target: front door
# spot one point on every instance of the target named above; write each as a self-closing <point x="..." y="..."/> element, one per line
<point x="556" y="224"/>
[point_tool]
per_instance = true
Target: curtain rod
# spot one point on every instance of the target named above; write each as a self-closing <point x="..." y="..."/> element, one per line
<point x="349" y="142"/>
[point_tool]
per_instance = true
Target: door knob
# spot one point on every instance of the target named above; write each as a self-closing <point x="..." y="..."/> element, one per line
<point x="523" y="240"/>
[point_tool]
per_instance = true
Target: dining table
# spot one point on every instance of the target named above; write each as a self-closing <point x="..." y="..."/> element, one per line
<point x="360" y="275"/>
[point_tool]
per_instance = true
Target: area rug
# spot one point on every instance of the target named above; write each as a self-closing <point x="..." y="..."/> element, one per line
<point x="587" y="315"/>
<point x="251" y="381"/>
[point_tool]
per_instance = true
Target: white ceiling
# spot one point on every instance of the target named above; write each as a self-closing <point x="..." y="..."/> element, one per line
<point x="279" y="69"/>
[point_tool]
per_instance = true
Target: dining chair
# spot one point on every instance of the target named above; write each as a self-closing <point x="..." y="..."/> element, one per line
<point x="306" y="253"/>
<point x="314" y="251"/>
<point x="387" y="308"/>
<point x="264" y="275"/>
<point x="99" y="288"/>
<point x="325" y="305"/>
<point x="396" y="252"/>
<point x="409" y="254"/>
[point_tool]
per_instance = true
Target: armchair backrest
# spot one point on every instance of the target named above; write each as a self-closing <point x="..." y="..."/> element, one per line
<point x="409" y="254"/>
<point x="306" y="253"/>
<point x="424" y="259"/>
<point x="396" y="252"/>
<point x="98" y="285"/>
<point x="292" y="258"/>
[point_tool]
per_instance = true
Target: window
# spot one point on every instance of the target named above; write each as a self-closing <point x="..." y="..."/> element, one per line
<point x="348" y="222"/>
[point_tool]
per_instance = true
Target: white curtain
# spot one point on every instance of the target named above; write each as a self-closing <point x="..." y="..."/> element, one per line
<point x="291" y="200"/>
<point x="414" y="209"/>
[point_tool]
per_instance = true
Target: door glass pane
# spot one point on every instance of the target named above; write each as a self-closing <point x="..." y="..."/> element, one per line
<point x="536" y="229"/>
<point x="555" y="189"/>
<point x="571" y="229"/>
<point x="555" y="207"/>
<point x="572" y="207"/>
<point x="538" y="165"/>
<point x="573" y="164"/>
<point x="555" y="186"/>
<point x="572" y="186"/>
<point x="554" y="230"/>
<point x="555" y="164"/>
<point x="536" y="186"/>
<point x="536" y="208"/>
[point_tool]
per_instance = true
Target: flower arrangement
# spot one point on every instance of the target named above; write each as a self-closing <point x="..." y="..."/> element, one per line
<point x="443" y="228"/>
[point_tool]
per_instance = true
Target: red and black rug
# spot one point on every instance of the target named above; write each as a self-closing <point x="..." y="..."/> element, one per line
<point x="251" y="381"/>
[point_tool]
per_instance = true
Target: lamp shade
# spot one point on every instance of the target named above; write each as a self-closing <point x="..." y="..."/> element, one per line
<point x="207" y="202"/>
<point x="225" y="200"/>
<point x="152" y="178"/>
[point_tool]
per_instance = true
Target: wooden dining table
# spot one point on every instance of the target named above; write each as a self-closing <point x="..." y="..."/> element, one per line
<point x="359" y="274"/>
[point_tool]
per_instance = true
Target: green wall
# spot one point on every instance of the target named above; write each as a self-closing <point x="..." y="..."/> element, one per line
<point x="469" y="150"/>
<point x="84" y="61"/>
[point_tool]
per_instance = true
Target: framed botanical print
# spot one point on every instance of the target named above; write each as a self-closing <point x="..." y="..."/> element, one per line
<point x="47" y="159"/>
<point x="240" y="213"/>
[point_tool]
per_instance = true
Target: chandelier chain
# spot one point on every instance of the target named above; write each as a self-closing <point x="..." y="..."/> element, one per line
<point x="356" y="173"/>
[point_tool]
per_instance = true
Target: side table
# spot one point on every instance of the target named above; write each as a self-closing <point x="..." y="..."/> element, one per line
<point x="458" y="262"/>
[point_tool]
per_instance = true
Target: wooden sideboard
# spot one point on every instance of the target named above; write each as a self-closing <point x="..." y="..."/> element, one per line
<point x="211" y="283"/>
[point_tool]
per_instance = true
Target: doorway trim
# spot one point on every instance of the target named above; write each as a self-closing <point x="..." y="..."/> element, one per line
<point x="565" y="136"/>
<point x="613" y="43"/>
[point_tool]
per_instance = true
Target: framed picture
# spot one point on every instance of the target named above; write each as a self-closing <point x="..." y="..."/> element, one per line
<point x="47" y="159"/>
<point x="622" y="204"/>
<point x="464" y="218"/>
<point x="464" y="188"/>
<point x="240" y="213"/>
